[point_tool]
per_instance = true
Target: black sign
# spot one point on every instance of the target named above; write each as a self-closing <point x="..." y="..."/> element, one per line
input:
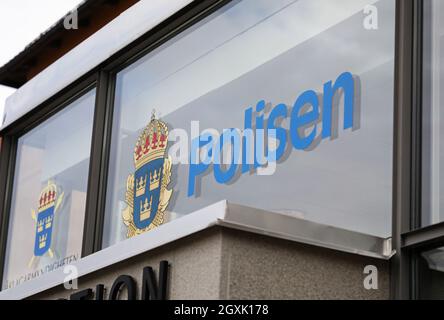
<point x="151" y="289"/>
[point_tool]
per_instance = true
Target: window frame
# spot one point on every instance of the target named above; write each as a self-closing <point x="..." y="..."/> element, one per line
<point x="175" y="25"/>
<point x="410" y="236"/>
<point x="103" y="79"/>
<point x="406" y="192"/>
<point x="8" y="151"/>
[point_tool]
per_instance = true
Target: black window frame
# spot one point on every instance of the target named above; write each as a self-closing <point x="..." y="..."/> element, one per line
<point x="173" y="26"/>
<point x="8" y="150"/>
<point x="103" y="79"/>
<point x="407" y="236"/>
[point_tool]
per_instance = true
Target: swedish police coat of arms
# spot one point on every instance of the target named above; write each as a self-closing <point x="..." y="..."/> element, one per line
<point x="49" y="203"/>
<point x="147" y="193"/>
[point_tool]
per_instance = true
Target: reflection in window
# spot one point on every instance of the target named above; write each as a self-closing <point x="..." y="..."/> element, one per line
<point x="431" y="274"/>
<point x="49" y="194"/>
<point x="254" y="50"/>
<point x="433" y="116"/>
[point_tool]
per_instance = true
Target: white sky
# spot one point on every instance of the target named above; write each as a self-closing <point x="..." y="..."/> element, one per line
<point x="21" y="21"/>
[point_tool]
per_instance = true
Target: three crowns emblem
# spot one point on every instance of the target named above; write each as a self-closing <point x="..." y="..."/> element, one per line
<point x="147" y="193"/>
<point x="50" y="201"/>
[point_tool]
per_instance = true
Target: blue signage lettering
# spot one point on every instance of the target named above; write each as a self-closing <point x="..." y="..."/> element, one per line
<point x="305" y="114"/>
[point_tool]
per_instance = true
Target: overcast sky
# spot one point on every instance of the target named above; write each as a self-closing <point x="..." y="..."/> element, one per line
<point x="21" y="21"/>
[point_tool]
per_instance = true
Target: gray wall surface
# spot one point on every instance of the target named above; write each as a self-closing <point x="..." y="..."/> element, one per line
<point x="221" y="263"/>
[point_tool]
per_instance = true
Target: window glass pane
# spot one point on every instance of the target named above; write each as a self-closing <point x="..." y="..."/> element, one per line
<point x="49" y="195"/>
<point x="433" y="116"/>
<point x="272" y="51"/>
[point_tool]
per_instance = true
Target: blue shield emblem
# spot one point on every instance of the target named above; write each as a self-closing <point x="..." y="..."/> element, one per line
<point x="147" y="194"/>
<point x="45" y="220"/>
<point x="43" y="233"/>
<point x="147" y="186"/>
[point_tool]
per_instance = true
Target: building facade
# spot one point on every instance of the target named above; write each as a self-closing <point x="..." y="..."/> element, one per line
<point x="245" y="149"/>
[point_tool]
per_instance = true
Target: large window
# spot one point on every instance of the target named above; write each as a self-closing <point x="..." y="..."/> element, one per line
<point x="430" y="266"/>
<point x="238" y="64"/>
<point x="433" y="113"/>
<point x="49" y="194"/>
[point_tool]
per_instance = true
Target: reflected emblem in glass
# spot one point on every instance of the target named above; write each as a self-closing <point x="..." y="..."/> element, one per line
<point x="49" y="203"/>
<point x="147" y="195"/>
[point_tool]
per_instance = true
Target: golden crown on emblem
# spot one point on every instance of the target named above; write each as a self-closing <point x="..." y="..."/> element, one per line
<point x="44" y="223"/>
<point x="40" y="225"/>
<point x="151" y="144"/>
<point x="42" y="240"/>
<point x="154" y="182"/>
<point x="47" y="197"/>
